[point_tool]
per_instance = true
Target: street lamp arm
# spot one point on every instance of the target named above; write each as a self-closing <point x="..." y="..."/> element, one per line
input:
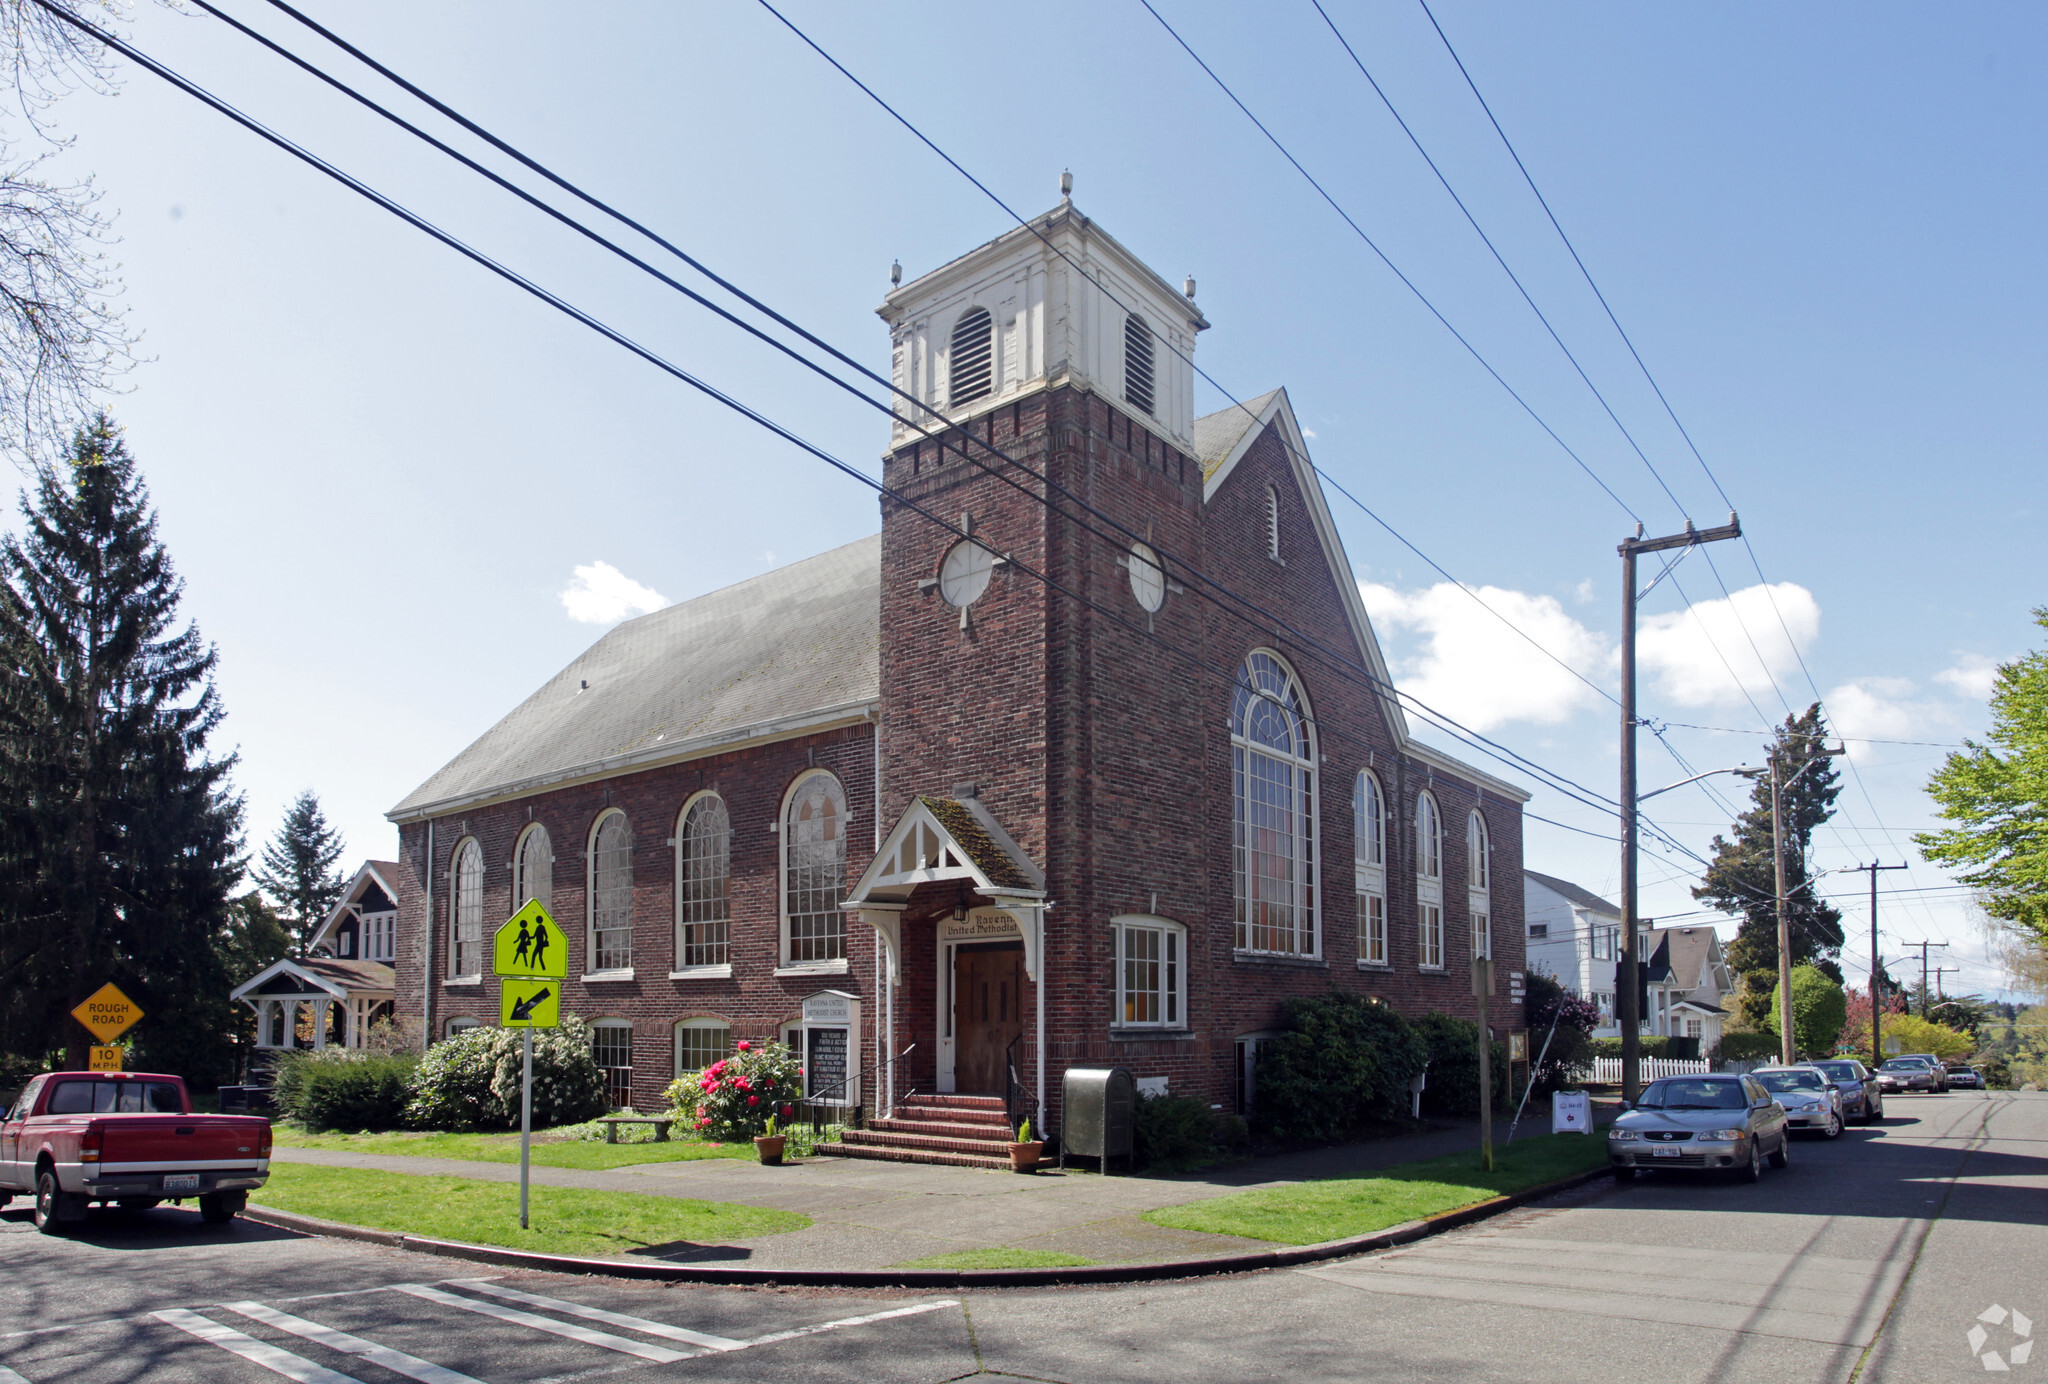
<point x="1738" y="769"/>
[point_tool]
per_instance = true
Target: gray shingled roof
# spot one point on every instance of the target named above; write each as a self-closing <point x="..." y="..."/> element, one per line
<point x="1584" y="898"/>
<point x="1218" y="433"/>
<point x="803" y="640"/>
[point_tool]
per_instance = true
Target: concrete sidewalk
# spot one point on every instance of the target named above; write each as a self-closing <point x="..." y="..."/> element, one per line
<point x="872" y="1215"/>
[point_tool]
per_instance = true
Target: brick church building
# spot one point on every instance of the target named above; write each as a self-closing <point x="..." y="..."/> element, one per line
<point x="1083" y="786"/>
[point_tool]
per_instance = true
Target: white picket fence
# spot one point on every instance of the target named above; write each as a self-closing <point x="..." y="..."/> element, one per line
<point x="1607" y="1070"/>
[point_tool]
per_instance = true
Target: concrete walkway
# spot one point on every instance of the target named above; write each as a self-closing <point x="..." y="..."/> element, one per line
<point x="872" y="1215"/>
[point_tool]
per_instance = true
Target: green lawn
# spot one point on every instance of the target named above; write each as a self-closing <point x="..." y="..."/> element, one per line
<point x="504" y="1148"/>
<point x="565" y="1220"/>
<point x="998" y="1257"/>
<point x="1307" y="1213"/>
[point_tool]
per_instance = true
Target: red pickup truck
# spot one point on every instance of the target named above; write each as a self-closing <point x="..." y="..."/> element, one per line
<point x="74" y="1138"/>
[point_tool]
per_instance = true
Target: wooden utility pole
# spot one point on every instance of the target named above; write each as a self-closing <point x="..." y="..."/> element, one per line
<point x="1786" y="1053"/>
<point x="1923" y="946"/>
<point x="1876" y="969"/>
<point x="1625" y="968"/>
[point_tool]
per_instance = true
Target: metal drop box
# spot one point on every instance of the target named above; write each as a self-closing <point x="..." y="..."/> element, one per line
<point x="1100" y="1111"/>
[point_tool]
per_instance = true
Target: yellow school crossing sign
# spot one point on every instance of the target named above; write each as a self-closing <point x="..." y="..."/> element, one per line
<point x="531" y="945"/>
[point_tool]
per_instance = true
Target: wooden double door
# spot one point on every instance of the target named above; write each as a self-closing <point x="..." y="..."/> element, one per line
<point x="988" y="1013"/>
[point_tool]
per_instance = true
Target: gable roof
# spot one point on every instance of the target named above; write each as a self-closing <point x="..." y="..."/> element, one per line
<point x="382" y="874"/>
<point x="1222" y="439"/>
<point x="793" y="650"/>
<point x="1573" y="894"/>
<point x="316" y="975"/>
<point x="1694" y="950"/>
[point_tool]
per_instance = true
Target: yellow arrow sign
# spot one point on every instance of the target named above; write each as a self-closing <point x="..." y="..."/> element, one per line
<point x="108" y="1014"/>
<point x="105" y="1060"/>
<point x="530" y="1004"/>
<point x="531" y="944"/>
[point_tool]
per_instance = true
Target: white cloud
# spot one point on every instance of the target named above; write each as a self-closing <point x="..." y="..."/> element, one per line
<point x="1583" y="593"/>
<point x="1973" y="676"/>
<point x="1881" y="709"/>
<point x="602" y="595"/>
<point x="1472" y="667"/>
<point x="1691" y="652"/>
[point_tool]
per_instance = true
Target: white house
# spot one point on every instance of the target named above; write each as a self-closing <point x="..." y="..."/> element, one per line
<point x="1575" y="939"/>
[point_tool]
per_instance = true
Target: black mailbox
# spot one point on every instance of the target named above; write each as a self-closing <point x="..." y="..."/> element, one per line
<point x="1099" y="1113"/>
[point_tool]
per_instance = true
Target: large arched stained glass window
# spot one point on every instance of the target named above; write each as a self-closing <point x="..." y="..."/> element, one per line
<point x="1272" y="768"/>
<point x="704" y="884"/>
<point x="611" y="894"/>
<point x="814" y="870"/>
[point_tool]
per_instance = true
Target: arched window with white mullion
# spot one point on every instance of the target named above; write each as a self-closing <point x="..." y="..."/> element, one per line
<point x="466" y="911"/>
<point x="1273" y="801"/>
<point x="611" y="894"/>
<point x="1369" y="866"/>
<point x="1429" y="882"/>
<point x="533" y="870"/>
<point x="704" y="884"/>
<point x="1478" y="883"/>
<point x="814" y="871"/>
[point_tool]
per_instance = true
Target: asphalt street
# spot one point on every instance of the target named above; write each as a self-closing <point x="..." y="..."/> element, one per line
<point x="1912" y="1252"/>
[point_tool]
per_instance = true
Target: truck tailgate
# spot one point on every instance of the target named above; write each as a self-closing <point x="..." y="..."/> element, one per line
<point x="139" y="1142"/>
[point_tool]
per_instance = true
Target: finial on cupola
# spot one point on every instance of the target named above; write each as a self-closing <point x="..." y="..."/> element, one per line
<point x="895" y="273"/>
<point x="1066" y="182"/>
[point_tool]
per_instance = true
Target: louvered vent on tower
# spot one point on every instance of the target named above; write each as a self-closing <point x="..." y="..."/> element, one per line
<point x="973" y="358"/>
<point x="1137" y="364"/>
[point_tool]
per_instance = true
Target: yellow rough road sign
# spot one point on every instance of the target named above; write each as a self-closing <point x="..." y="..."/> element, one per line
<point x="108" y="1014"/>
<point x="531" y="944"/>
<point x="530" y="1004"/>
<point x="104" y="1060"/>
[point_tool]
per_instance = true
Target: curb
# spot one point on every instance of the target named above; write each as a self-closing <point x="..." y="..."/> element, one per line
<point x="660" y="1271"/>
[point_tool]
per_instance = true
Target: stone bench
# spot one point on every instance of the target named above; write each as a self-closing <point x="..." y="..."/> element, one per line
<point x="611" y="1125"/>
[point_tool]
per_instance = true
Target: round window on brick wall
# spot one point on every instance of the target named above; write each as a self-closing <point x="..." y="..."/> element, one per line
<point x="1148" y="578"/>
<point x="964" y="573"/>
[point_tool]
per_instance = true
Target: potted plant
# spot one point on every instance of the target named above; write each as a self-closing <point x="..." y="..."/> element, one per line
<point x="768" y="1144"/>
<point x="1024" y="1152"/>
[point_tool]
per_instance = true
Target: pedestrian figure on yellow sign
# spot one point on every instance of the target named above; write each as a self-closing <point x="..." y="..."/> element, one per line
<point x="526" y="940"/>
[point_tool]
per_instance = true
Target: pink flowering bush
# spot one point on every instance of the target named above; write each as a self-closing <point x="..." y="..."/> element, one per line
<point x="732" y="1100"/>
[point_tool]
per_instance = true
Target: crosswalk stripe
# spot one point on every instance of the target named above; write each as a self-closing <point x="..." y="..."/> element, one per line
<point x="249" y="1348"/>
<point x="922" y="1307"/>
<point x="599" y="1314"/>
<point x="397" y="1361"/>
<point x="659" y="1354"/>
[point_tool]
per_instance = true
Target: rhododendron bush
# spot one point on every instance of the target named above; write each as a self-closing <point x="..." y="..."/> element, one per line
<point x="734" y="1099"/>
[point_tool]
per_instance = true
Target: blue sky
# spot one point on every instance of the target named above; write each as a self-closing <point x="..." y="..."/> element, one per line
<point x="380" y="470"/>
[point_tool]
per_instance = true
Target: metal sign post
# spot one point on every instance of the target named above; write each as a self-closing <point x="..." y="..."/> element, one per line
<point x="530" y="954"/>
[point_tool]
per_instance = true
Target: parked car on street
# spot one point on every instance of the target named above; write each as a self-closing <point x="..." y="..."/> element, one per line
<point x="1862" y="1101"/>
<point x="1811" y="1100"/>
<point x="130" y="1138"/>
<point x="1963" y="1077"/>
<point x="1715" y="1120"/>
<point x="1934" y="1064"/>
<point x="1905" y="1074"/>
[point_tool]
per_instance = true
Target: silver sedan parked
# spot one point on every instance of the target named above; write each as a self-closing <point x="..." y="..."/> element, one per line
<point x="1862" y="1100"/>
<point x="1812" y="1101"/>
<point x="1715" y="1120"/>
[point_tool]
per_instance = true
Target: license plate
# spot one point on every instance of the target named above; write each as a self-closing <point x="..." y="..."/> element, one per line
<point x="1667" y="1153"/>
<point x="181" y="1182"/>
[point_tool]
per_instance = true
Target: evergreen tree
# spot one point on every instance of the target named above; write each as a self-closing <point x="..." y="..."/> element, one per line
<point x="297" y="869"/>
<point x="1740" y="879"/>
<point x="119" y="834"/>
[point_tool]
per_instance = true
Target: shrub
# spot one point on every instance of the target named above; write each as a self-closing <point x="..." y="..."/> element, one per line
<point x="1174" y="1133"/>
<point x="472" y="1080"/>
<point x="1746" y="1047"/>
<point x="1652" y="1046"/>
<point x="1345" y="1061"/>
<point x="1568" y="1058"/>
<point x="736" y="1097"/>
<point x="342" y="1088"/>
<point x="1819" y="1009"/>
<point x="1453" y="1046"/>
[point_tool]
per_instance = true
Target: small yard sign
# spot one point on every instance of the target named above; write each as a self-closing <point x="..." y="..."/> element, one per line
<point x="105" y="1060"/>
<point x="1571" y="1112"/>
<point x="531" y="944"/>
<point x="109" y="1013"/>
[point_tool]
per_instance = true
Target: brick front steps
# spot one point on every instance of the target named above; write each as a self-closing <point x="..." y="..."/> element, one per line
<point x="958" y="1131"/>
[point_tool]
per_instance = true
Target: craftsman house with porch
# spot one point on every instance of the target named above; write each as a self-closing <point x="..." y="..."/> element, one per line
<point x="1069" y="764"/>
